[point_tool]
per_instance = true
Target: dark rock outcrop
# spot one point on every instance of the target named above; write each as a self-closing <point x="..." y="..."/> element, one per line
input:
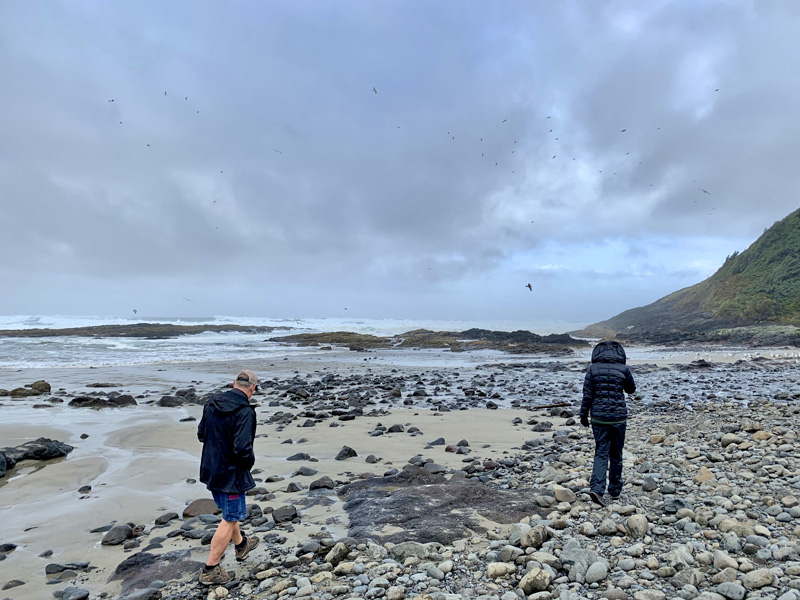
<point x="119" y="401"/>
<point x="428" y="507"/>
<point x="40" y="449"/>
<point x="137" y="571"/>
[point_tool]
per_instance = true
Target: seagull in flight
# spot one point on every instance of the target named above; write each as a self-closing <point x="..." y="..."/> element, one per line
<point x="187" y="299"/>
<point x="135" y="311"/>
<point x="374" y="90"/>
<point x="529" y="286"/>
<point x="705" y="191"/>
<point x="276" y="150"/>
<point x="623" y="131"/>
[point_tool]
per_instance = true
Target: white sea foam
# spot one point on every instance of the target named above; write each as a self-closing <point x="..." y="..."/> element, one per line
<point x="69" y="351"/>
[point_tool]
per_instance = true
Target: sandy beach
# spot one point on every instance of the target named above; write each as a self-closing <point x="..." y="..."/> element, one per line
<point x="139" y="461"/>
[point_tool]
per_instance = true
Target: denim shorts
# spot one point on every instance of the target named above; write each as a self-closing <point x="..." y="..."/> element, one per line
<point x="233" y="506"/>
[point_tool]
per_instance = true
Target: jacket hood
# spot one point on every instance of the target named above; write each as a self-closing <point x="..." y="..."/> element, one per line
<point x="228" y="401"/>
<point x="609" y="352"/>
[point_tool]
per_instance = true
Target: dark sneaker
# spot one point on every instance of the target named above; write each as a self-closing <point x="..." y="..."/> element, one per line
<point x="215" y="576"/>
<point x="614" y="498"/>
<point x="597" y="498"/>
<point x="251" y="542"/>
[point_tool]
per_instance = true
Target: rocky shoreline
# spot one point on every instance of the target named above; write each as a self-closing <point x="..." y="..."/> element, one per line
<point x="514" y="342"/>
<point x="710" y="509"/>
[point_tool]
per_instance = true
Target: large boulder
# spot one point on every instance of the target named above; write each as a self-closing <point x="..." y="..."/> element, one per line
<point x="201" y="506"/>
<point x="170" y="401"/>
<point x="39" y="449"/>
<point x="284" y="514"/>
<point x="122" y="400"/>
<point x="345" y="453"/>
<point x="117" y="535"/>
<point x="3" y="463"/>
<point x="41" y="387"/>
<point x="536" y="580"/>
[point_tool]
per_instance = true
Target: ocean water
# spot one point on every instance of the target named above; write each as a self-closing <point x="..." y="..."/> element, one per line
<point x="68" y="351"/>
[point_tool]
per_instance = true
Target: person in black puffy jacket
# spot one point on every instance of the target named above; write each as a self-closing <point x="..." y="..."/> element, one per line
<point x="607" y="381"/>
<point x="227" y="431"/>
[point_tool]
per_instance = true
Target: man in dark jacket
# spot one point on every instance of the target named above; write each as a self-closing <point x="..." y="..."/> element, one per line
<point x="227" y="431"/>
<point x="604" y="387"/>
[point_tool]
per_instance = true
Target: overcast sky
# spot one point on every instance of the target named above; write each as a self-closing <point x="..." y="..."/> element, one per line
<point x="562" y="144"/>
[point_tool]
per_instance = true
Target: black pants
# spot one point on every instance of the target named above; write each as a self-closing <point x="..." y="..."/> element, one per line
<point x="608" y="443"/>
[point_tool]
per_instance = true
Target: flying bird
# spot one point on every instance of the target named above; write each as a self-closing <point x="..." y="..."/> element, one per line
<point x="276" y="150"/>
<point x="184" y="297"/>
<point x="529" y="286"/>
<point x="186" y="98"/>
<point x="374" y="90"/>
<point x="548" y="117"/>
<point x="148" y="145"/>
<point x="554" y="155"/>
<point x="623" y="131"/>
<point x="165" y="93"/>
<point x="716" y="90"/>
<point x="111" y="100"/>
<point x="705" y="191"/>
<point x="135" y="311"/>
<point x="504" y="120"/>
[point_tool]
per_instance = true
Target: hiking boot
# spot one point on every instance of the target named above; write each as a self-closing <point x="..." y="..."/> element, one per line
<point x="597" y="498"/>
<point x="215" y="576"/>
<point x="613" y="497"/>
<point x="248" y="543"/>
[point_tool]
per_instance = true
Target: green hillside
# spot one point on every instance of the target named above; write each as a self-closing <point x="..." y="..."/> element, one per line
<point x="758" y="287"/>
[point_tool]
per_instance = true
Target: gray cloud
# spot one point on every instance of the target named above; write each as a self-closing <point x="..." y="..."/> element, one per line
<point x="369" y="196"/>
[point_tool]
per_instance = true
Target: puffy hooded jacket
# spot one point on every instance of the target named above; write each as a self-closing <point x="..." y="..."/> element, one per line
<point x="227" y="431"/>
<point x="606" y="382"/>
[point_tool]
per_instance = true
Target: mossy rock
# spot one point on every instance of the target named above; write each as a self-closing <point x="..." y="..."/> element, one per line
<point x="41" y="387"/>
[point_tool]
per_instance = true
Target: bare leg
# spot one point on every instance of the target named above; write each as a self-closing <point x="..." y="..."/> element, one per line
<point x="226" y="531"/>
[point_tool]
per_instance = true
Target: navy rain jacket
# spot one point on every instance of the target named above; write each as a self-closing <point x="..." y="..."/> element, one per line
<point x="227" y="430"/>
<point x="606" y="382"/>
